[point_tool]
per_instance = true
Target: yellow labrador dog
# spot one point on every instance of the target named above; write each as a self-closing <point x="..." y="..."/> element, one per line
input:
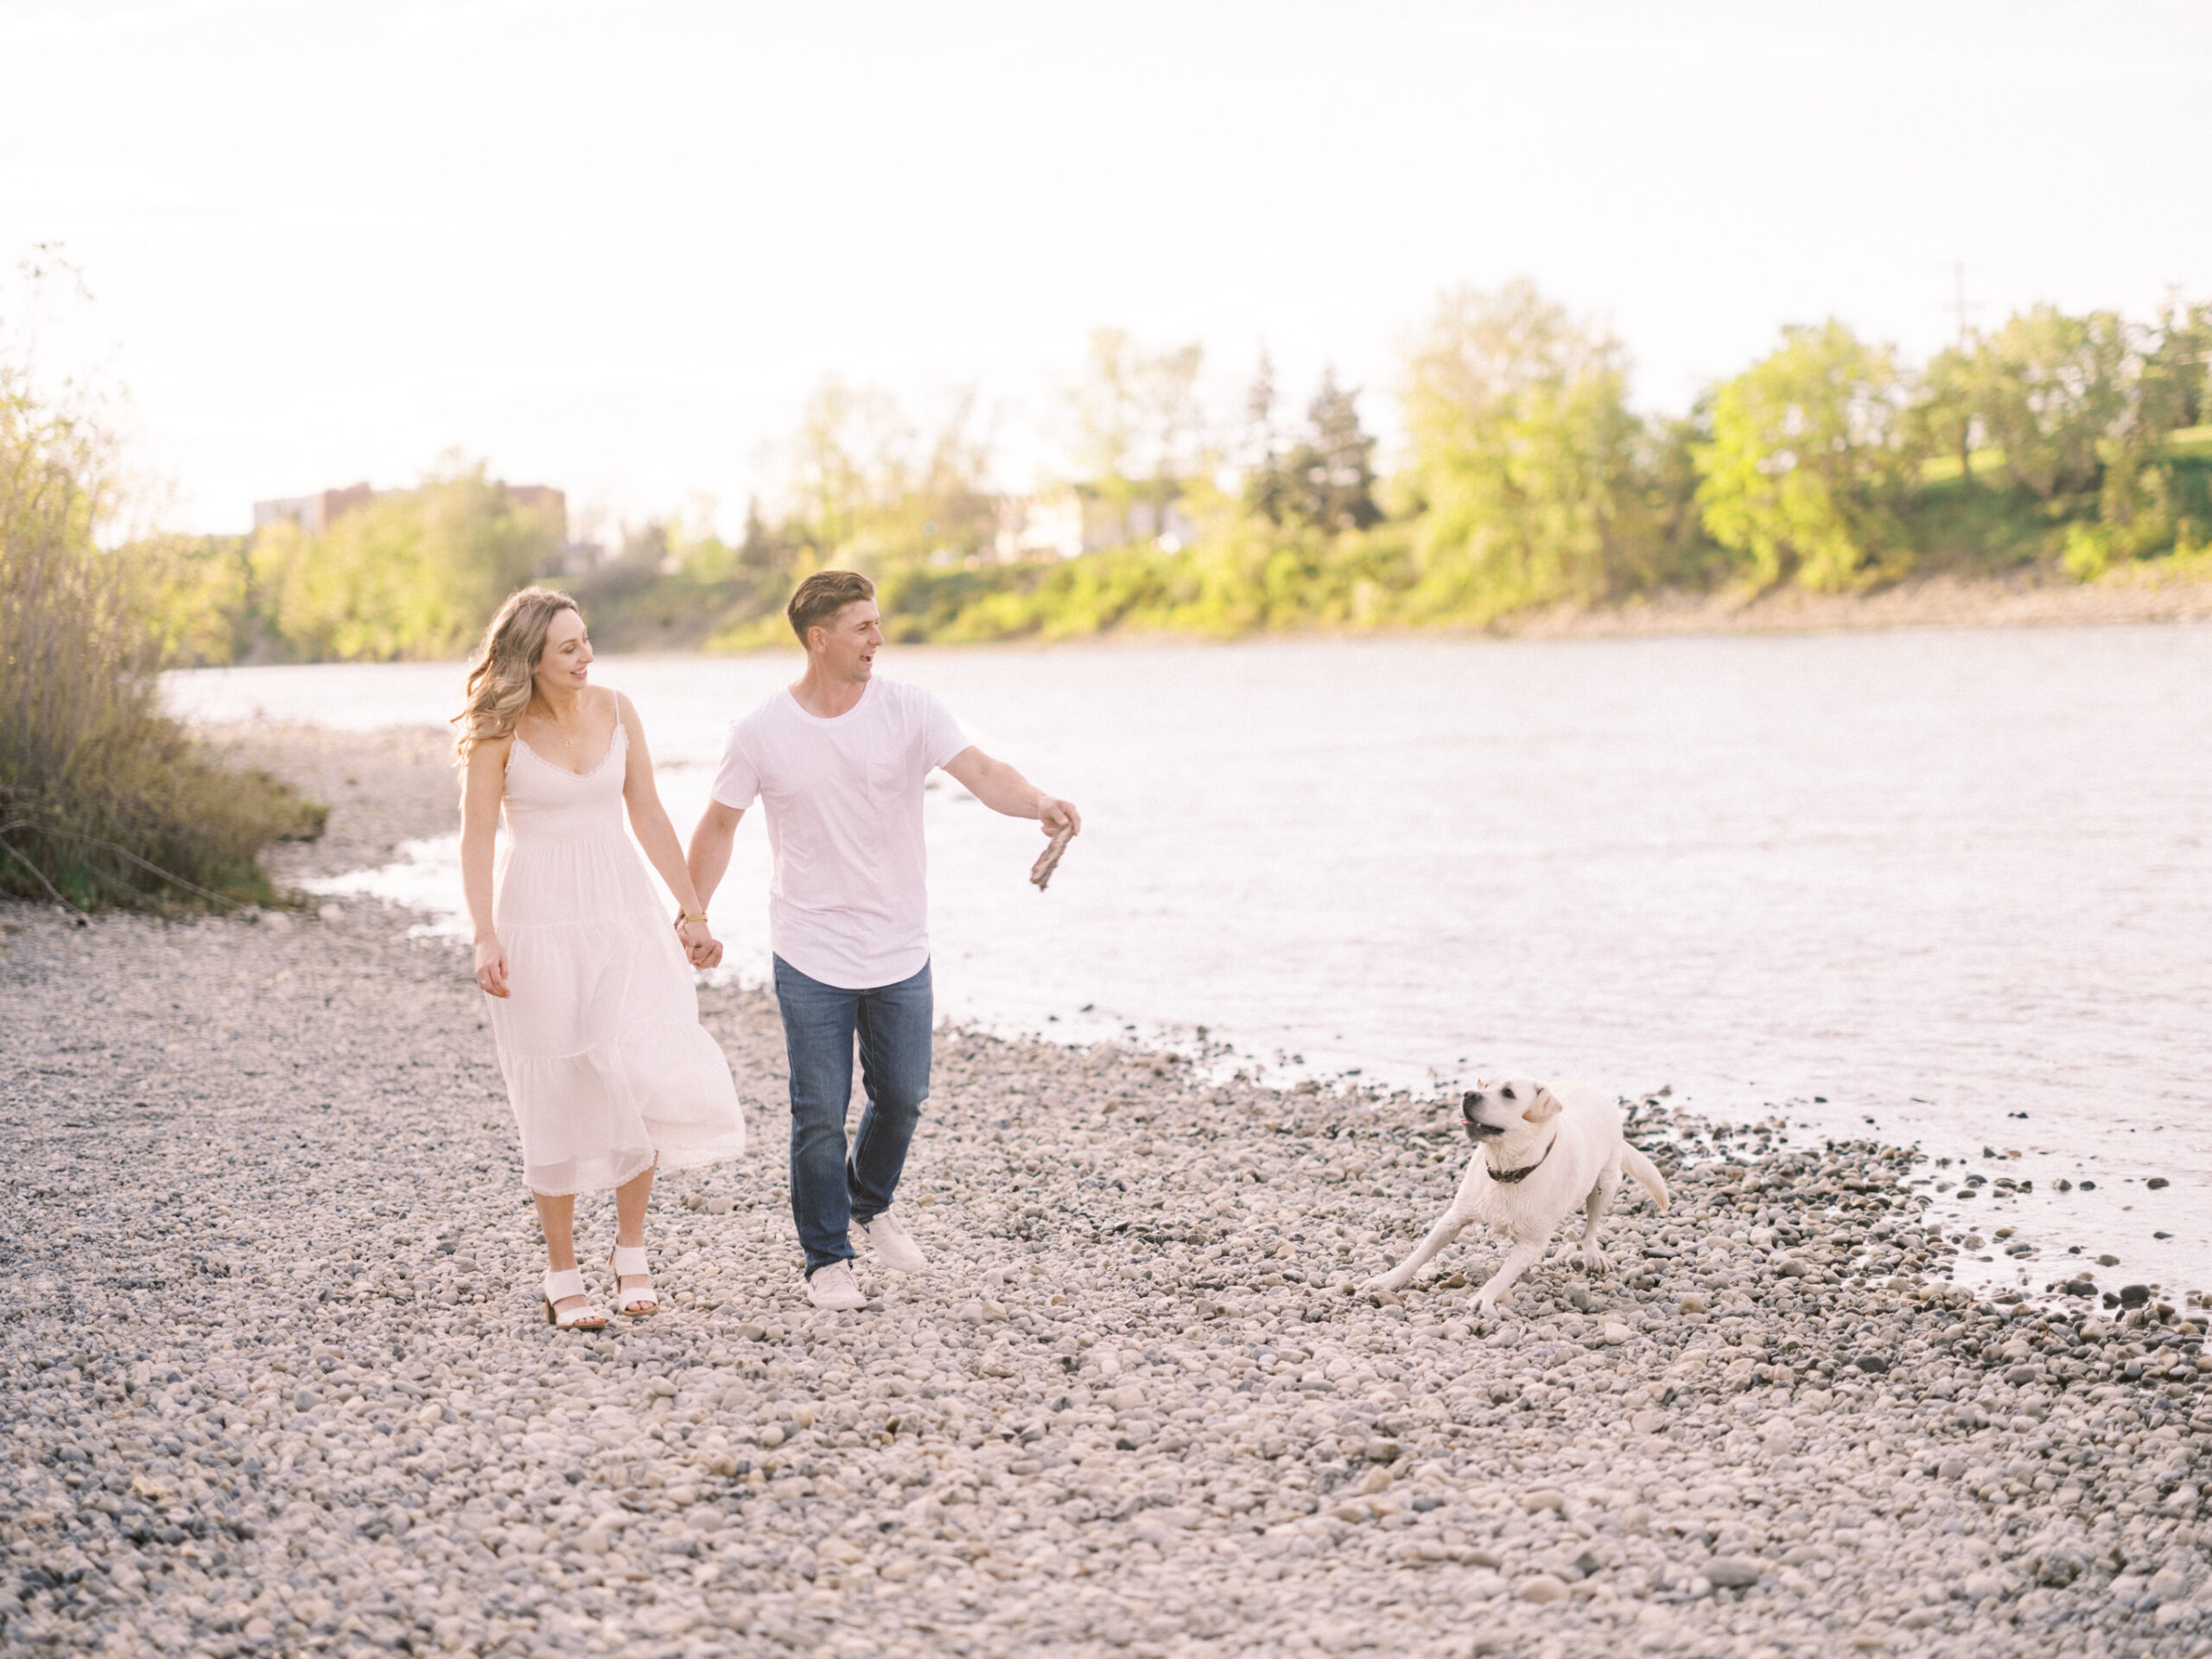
<point x="1541" y="1151"/>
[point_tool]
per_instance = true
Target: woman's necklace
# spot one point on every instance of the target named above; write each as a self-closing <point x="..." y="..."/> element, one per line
<point x="568" y="737"/>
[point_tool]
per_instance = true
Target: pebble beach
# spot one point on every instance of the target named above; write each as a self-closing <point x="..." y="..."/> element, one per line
<point x="275" y="1379"/>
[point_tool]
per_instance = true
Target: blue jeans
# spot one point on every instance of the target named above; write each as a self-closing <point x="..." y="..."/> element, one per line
<point x="830" y="1190"/>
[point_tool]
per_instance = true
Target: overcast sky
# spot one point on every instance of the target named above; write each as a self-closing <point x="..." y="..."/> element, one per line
<point x="611" y="246"/>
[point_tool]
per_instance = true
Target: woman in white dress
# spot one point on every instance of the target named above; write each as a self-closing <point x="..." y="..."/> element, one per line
<point x="590" y="992"/>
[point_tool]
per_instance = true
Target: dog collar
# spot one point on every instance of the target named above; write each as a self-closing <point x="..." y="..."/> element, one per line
<point x="1507" y="1177"/>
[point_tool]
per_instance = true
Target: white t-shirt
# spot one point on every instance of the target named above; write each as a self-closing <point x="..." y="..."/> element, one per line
<point x="847" y="903"/>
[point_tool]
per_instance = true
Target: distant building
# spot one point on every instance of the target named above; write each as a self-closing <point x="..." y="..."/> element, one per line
<point x="316" y="513"/>
<point x="313" y="513"/>
<point x="1072" y="519"/>
<point x="542" y="502"/>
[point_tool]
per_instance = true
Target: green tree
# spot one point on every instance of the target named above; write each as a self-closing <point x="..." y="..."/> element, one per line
<point x="1811" y="462"/>
<point x="1330" y="474"/>
<point x="1267" y="488"/>
<point x="1673" y="548"/>
<point x="846" y="461"/>
<point x="1141" y="427"/>
<point x="414" y="574"/>
<point x="2175" y="382"/>
<point x="2150" y="500"/>
<point x="869" y="490"/>
<point x="200" y="599"/>
<point x="764" y="552"/>
<point x="1945" y="416"/>
<point x="1525" y="457"/>
<point x="2051" y="390"/>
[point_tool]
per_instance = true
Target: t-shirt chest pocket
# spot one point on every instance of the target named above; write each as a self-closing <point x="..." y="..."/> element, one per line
<point x="887" y="776"/>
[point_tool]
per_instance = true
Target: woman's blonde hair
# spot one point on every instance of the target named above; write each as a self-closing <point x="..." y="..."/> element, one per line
<point x="501" y="670"/>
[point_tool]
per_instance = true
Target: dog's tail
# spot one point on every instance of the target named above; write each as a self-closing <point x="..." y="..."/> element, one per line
<point x="1647" y="1175"/>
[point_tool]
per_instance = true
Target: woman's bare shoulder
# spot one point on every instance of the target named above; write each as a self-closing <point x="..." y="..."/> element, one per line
<point x="484" y="771"/>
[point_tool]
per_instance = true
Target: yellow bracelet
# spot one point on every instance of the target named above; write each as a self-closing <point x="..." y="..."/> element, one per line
<point x="681" y="919"/>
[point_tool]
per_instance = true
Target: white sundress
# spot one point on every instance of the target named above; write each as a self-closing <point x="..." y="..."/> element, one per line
<point x="607" y="1067"/>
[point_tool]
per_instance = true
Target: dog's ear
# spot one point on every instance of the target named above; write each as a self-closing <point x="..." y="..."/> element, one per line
<point x="1546" y="1104"/>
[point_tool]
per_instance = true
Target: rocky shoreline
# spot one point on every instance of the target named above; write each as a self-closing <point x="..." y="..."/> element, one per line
<point x="275" y="1380"/>
<point x="2022" y="599"/>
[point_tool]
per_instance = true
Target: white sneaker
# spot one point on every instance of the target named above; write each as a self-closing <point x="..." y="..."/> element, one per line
<point x="895" y="1245"/>
<point x="832" y="1287"/>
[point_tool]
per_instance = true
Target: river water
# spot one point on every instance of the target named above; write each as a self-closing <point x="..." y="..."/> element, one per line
<point x="1958" y="885"/>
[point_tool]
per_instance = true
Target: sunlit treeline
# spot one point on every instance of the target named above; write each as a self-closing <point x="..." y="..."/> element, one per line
<point x="1527" y="477"/>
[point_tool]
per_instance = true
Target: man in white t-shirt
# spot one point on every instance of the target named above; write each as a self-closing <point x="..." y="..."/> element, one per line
<point x="837" y="761"/>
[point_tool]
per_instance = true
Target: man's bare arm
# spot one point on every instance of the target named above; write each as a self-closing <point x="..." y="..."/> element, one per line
<point x="709" y="856"/>
<point x="1002" y="789"/>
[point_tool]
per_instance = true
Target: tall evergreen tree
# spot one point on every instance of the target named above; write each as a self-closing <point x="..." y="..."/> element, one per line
<point x="1332" y="471"/>
<point x="762" y="549"/>
<point x="1269" y="487"/>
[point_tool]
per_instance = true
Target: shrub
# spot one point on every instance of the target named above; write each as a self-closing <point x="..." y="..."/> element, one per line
<point x="103" y="799"/>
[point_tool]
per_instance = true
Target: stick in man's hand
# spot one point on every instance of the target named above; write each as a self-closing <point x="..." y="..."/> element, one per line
<point x="1049" y="860"/>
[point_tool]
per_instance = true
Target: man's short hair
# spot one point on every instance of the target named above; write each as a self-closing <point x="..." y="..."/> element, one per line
<point x="822" y="595"/>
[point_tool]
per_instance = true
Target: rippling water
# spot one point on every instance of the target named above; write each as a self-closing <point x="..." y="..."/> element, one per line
<point x="1958" y="883"/>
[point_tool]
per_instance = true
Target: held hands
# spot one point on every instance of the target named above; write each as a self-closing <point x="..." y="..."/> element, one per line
<point x="492" y="966"/>
<point x="699" y="943"/>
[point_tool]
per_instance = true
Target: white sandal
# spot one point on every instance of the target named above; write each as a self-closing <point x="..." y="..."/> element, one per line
<point x="629" y="1262"/>
<point x="559" y="1287"/>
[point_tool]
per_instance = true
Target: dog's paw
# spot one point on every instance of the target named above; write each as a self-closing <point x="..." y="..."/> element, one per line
<point x="1384" y="1282"/>
<point x="1595" y="1260"/>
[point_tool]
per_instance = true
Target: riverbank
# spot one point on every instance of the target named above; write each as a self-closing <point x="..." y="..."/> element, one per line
<point x="383" y="787"/>
<point x="2024" y="600"/>
<point x="277" y="1380"/>
<point x="2167" y="591"/>
<point x="2032" y="596"/>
